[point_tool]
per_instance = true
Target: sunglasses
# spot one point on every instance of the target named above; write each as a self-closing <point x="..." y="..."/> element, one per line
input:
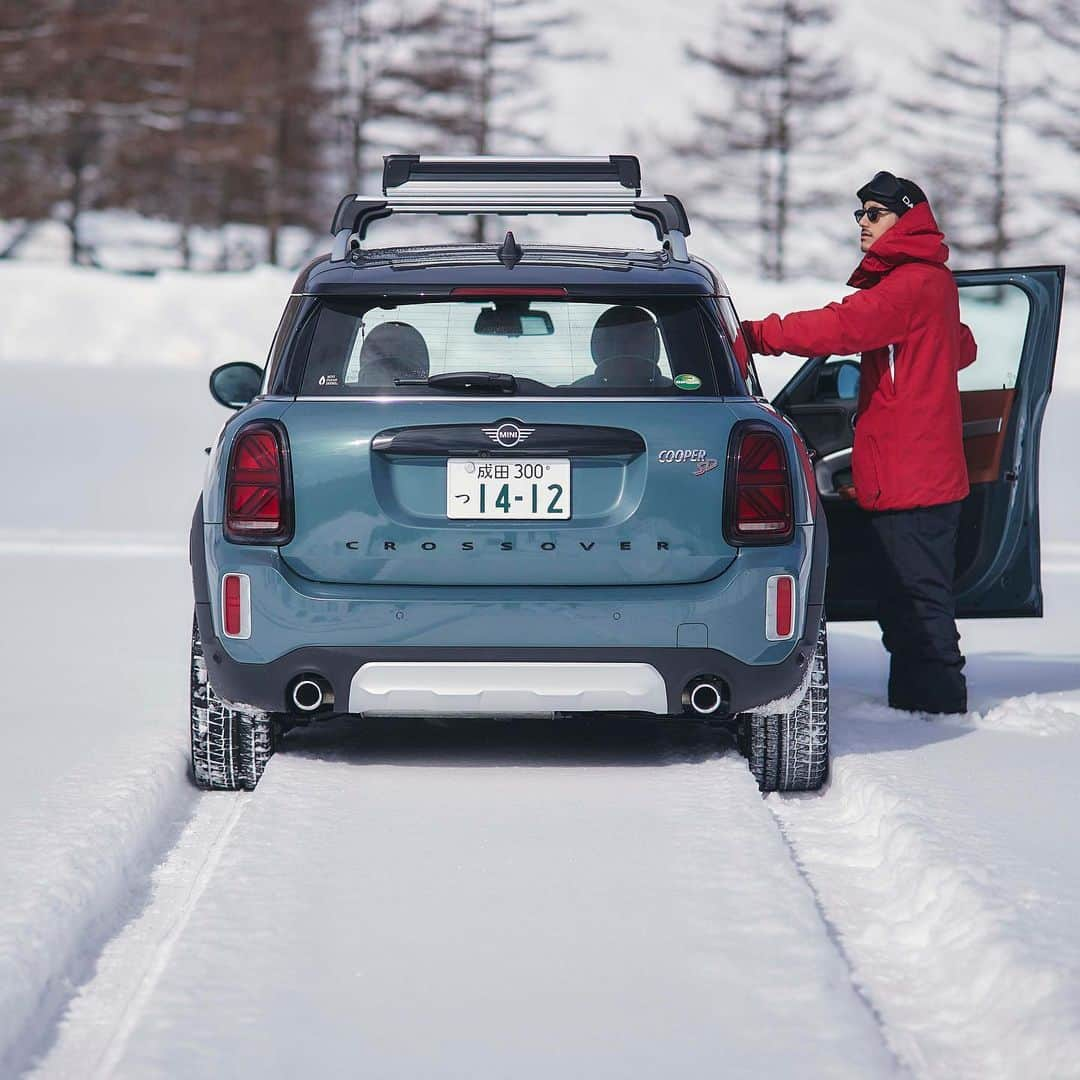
<point x="872" y="214"/>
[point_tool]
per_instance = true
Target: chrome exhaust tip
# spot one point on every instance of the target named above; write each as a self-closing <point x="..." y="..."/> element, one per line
<point x="705" y="696"/>
<point x="310" y="693"/>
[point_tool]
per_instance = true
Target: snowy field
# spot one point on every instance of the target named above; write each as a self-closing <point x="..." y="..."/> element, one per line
<point x="482" y="900"/>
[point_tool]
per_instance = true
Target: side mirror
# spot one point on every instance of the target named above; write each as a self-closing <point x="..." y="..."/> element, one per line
<point x="235" y="385"/>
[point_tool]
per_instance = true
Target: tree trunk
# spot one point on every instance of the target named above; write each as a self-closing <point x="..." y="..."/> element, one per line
<point x="483" y="102"/>
<point x="783" y="145"/>
<point x="1000" y="240"/>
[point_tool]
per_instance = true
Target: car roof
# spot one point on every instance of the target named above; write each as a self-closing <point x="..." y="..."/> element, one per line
<point x="584" y="270"/>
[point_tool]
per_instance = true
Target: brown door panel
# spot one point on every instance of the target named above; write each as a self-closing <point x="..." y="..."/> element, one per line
<point x="986" y="419"/>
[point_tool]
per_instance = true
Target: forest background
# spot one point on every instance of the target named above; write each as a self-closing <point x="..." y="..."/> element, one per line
<point x="218" y="136"/>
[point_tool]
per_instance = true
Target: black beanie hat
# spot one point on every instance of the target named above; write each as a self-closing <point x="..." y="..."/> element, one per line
<point x="893" y="192"/>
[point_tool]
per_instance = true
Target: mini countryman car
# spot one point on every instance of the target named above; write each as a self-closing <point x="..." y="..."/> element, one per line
<point x="515" y="479"/>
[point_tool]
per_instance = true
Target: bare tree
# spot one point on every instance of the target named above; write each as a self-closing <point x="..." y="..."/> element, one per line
<point x="777" y="111"/>
<point x="481" y="78"/>
<point x="78" y="79"/>
<point x="962" y="128"/>
<point x="1058" y="93"/>
<point x="373" y="78"/>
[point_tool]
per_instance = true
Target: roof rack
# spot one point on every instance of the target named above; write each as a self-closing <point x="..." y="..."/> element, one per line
<point x="413" y="184"/>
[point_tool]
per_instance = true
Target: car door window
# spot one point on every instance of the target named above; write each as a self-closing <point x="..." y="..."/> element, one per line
<point x="998" y="317"/>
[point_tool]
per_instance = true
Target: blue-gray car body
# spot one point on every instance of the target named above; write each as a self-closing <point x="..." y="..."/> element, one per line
<point x="643" y="572"/>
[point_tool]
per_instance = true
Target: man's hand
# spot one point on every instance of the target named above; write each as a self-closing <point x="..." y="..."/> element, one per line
<point x="749" y="328"/>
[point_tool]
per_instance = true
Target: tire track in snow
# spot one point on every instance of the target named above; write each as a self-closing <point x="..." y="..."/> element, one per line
<point x="94" y="1033"/>
<point x="701" y="839"/>
<point x="93" y="873"/>
<point x="929" y="939"/>
<point x="630" y="912"/>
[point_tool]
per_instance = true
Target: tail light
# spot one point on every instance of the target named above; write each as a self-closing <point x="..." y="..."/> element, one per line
<point x="258" y="495"/>
<point x="759" y="497"/>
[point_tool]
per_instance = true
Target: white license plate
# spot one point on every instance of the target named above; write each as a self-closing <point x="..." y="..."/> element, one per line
<point x="508" y="489"/>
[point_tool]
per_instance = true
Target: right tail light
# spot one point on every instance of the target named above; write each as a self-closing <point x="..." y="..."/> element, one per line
<point x="759" y="496"/>
<point x="258" y="494"/>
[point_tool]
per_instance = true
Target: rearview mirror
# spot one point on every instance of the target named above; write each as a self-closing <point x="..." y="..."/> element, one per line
<point x="516" y="321"/>
<point x="235" y="385"/>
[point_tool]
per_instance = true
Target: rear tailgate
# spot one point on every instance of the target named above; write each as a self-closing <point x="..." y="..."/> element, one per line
<point x="645" y="501"/>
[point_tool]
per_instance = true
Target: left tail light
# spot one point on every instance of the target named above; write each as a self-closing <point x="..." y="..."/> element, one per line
<point x="258" y="490"/>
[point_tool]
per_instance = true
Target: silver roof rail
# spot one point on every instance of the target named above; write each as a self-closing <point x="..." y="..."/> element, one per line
<point x="413" y="184"/>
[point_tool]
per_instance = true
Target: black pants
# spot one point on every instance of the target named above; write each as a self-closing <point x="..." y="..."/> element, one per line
<point x="916" y="552"/>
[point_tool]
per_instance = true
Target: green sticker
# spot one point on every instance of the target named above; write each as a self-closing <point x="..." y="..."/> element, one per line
<point x="687" y="382"/>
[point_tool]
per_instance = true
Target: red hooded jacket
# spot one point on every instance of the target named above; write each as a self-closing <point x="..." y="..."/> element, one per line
<point x="905" y="320"/>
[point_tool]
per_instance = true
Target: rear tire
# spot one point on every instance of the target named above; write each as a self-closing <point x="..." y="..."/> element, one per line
<point x="790" y="751"/>
<point x="230" y="743"/>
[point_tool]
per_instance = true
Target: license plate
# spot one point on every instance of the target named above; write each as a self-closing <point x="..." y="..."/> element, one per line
<point x="514" y="489"/>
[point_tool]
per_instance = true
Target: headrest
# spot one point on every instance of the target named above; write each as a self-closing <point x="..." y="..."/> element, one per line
<point x="392" y="350"/>
<point x="625" y="330"/>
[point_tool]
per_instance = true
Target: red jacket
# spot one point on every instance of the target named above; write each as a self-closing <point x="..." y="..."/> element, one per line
<point x="905" y="320"/>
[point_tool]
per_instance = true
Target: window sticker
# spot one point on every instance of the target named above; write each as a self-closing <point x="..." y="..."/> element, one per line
<point x="687" y="382"/>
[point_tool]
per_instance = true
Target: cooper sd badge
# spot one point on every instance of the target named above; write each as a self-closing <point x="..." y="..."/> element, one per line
<point x="698" y="458"/>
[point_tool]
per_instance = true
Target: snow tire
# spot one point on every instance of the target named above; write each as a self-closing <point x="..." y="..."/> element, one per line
<point x="790" y="751"/>
<point x="230" y="743"/>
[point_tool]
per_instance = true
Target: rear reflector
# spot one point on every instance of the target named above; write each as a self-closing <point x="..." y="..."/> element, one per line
<point x="780" y="596"/>
<point x="759" y="490"/>
<point x="236" y="605"/>
<point x="257" y="506"/>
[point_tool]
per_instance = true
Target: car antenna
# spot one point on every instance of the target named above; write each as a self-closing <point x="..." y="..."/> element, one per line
<point x="510" y="251"/>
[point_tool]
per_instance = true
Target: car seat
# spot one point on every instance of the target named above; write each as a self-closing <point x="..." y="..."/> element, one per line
<point x="392" y="350"/>
<point x="625" y="348"/>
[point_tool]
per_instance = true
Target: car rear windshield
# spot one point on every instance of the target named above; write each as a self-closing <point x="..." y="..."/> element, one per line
<point x="574" y="348"/>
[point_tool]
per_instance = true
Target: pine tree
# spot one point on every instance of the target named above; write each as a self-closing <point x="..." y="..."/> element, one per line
<point x="776" y="117"/>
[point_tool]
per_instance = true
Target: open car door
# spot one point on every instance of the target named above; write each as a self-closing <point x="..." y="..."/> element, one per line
<point x="1014" y="315"/>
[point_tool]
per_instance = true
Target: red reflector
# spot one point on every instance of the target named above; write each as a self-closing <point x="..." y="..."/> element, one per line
<point x="762" y="497"/>
<point x="780" y="596"/>
<point x="785" y="607"/>
<point x="507" y="290"/>
<point x="231" y="612"/>
<point x="255" y="495"/>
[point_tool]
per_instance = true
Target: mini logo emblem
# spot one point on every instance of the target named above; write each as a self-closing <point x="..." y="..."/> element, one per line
<point x="508" y="433"/>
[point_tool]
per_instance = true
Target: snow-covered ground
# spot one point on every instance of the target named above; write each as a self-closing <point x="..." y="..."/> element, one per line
<point x="482" y="899"/>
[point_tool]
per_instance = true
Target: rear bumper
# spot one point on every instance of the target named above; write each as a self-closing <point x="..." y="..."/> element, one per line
<point x="728" y="610"/>
<point x="266" y="685"/>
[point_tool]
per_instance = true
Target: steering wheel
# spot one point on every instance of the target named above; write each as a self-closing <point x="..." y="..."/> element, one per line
<point x="627" y="369"/>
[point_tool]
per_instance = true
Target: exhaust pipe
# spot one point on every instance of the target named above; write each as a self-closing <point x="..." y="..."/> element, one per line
<point x="310" y="693"/>
<point x="705" y="696"/>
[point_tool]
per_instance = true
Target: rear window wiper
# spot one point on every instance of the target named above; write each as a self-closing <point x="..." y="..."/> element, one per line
<point x="465" y="380"/>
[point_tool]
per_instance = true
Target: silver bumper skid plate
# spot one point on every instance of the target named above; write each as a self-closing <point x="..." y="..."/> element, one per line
<point x="504" y="689"/>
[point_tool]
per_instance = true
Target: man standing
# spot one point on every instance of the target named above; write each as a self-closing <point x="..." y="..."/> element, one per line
<point x="908" y="456"/>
